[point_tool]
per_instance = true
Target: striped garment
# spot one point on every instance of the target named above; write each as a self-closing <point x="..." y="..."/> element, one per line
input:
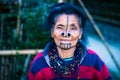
<point x="91" y="68"/>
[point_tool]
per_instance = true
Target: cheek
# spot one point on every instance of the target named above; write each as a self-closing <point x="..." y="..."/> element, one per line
<point x="76" y="35"/>
<point x="56" y="34"/>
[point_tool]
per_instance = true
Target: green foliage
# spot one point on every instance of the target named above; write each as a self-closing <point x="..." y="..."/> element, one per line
<point x="12" y="67"/>
<point x="33" y="33"/>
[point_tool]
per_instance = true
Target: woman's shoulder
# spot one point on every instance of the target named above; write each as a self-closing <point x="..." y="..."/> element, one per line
<point x="38" y="55"/>
<point x="38" y="63"/>
<point x="90" y="51"/>
<point x="94" y="58"/>
<point x="37" y="59"/>
<point x="92" y="54"/>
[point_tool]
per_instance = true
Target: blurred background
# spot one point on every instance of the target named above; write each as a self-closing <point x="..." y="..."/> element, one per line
<point x="23" y="33"/>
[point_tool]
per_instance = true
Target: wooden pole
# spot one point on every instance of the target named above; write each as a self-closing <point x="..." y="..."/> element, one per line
<point x="21" y="52"/>
<point x="18" y="18"/>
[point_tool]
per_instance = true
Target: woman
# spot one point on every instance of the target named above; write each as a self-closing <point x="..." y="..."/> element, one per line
<point x="67" y="57"/>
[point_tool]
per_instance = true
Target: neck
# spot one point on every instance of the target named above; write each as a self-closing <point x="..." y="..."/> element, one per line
<point x="66" y="53"/>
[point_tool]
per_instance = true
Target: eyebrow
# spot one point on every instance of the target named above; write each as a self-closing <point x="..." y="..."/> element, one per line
<point x="73" y="24"/>
<point x="60" y="25"/>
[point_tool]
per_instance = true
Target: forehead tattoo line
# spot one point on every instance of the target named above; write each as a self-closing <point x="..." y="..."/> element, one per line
<point x="67" y="23"/>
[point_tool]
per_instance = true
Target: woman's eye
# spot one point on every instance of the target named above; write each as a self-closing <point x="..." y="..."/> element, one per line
<point x="59" y="27"/>
<point x="73" y="27"/>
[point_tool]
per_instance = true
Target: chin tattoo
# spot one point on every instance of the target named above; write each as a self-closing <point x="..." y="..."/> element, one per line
<point x="65" y="46"/>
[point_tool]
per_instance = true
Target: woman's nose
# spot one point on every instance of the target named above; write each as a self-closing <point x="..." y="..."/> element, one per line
<point x="65" y="34"/>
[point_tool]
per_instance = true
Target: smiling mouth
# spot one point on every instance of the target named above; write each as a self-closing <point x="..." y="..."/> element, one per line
<point x="65" y="46"/>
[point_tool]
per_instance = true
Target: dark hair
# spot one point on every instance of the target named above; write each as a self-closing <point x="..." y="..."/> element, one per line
<point x="66" y="8"/>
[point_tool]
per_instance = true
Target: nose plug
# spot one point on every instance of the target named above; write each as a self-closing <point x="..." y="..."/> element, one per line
<point x="66" y="35"/>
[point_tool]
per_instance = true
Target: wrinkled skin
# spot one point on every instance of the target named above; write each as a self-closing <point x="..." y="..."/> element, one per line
<point x="66" y="32"/>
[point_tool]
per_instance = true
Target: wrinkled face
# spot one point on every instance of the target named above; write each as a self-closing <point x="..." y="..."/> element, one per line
<point x="66" y="31"/>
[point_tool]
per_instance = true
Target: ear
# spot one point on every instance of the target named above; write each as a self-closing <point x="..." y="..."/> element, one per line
<point x="52" y="33"/>
<point x="81" y="31"/>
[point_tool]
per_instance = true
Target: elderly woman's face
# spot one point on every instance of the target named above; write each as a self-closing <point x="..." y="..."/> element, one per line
<point x="66" y="31"/>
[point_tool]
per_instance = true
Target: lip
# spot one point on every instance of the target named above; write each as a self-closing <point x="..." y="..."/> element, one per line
<point x="65" y="40"/>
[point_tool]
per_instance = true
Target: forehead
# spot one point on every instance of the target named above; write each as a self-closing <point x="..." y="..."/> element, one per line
<point x="67" y="18"/>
